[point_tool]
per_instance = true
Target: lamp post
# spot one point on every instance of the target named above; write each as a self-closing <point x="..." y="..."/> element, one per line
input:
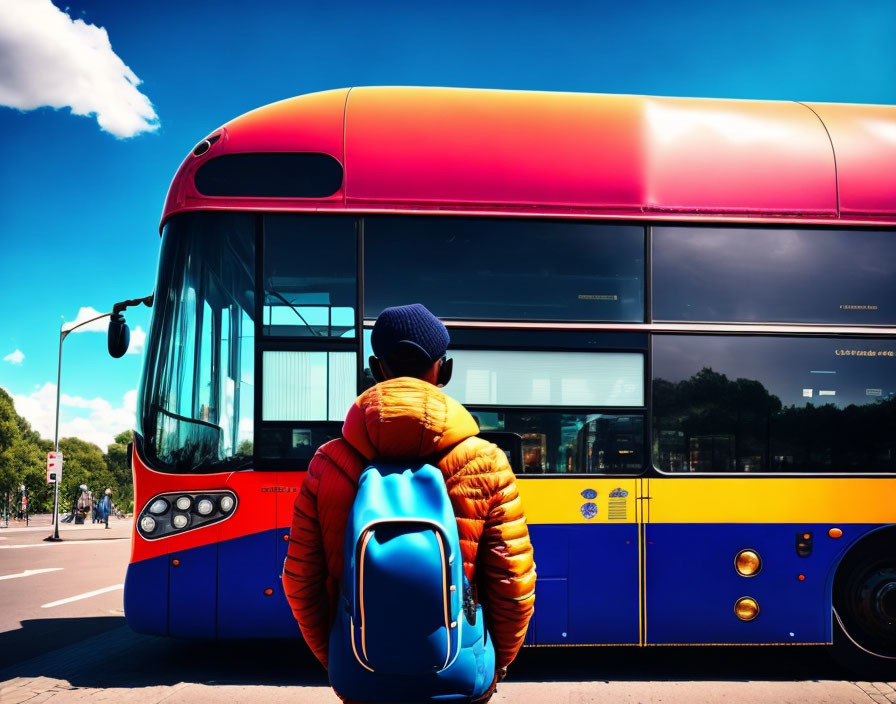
<point x="63" y="333"/>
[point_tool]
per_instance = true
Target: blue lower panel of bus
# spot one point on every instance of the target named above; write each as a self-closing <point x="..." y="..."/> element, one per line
<point x="146" y="596"/>
<point x="215" y="590"/>
<point x="692" y="585"/>
<point x="192" y="592"/>
<point x="587" y="588"/>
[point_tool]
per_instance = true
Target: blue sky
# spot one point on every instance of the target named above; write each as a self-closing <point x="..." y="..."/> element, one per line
<point x="81" y="205"/>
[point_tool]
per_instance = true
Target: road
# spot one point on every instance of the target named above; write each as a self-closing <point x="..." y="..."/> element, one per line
<point x="63" y="638"/>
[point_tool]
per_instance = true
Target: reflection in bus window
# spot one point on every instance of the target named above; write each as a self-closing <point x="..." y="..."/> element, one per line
<point x="570" y="443"/>
<point x="291" y="446"/>
<point x="198" y="408"/>
<point x="763" y="404"/>
<point x="843" y="277"/>
<point x="521" y="378"/>
<point x="310" y="274"/>
<point x="499" y="269"/>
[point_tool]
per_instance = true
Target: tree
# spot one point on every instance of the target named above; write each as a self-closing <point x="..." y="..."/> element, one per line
<point x="10" y="436"/>
<point x="23" y="458"/>
<point x="116" y="459"/>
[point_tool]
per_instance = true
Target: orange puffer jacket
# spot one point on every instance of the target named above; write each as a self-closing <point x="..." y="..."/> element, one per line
<point x="410" y="419"/>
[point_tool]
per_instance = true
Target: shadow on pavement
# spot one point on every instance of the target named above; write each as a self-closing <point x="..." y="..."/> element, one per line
<point x="37" y="636"/>
<point x="676" y="663"/>
<point x="115" y="656"/>
<point x="119" y="657"/>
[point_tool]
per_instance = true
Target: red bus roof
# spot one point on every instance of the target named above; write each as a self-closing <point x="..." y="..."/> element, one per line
<point x="619" y="156"/>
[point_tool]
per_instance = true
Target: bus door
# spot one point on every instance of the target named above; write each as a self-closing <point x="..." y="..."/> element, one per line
<point x="585" y="534"/>
<point x="247" y="556"/>
<point x="288" y="485"/>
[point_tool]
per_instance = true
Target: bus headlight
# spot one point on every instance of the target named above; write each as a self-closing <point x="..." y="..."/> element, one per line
<point x="175" y="512"/>
<point x="748" y="563"/>
<point x="158" y="506"/>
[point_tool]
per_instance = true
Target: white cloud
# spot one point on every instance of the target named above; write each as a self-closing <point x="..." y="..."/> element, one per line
<point x="138" y="334"/>
<point x="49" y="59"/>
<point x="86" y="313"/>
<point x="99" y="426"/>
<point x="138" y="340"/>
<point x="18" y="356"/>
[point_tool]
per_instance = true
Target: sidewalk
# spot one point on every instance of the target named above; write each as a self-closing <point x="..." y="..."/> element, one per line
<point x="44" y="522"/>
<point x="122" y="666"/>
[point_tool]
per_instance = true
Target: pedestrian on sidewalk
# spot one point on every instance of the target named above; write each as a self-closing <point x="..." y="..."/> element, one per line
<point x="105" y="507"/>
<point x="84" y="504"/>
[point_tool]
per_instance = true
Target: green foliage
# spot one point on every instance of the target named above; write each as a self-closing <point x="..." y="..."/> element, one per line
<point x="23" y="460"/>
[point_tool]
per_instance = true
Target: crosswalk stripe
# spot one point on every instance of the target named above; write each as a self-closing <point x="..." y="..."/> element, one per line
<point x="28" y="573"/>
<point x="63" y="542"/>
<point x="78" y="597"/>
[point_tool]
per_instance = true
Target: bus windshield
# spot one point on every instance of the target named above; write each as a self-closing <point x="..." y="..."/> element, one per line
<point x="198" y="400"/>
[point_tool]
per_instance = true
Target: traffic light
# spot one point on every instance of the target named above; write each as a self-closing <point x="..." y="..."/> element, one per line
<point x="54" y="467"/>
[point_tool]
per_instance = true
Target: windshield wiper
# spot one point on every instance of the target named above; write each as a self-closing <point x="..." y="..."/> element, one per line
<point x="270" y="289"/>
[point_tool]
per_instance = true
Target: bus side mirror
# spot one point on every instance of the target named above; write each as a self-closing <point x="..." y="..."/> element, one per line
<point x="119" y="336"/>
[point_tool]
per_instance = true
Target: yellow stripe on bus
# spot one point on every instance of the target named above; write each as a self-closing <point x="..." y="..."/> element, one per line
<point x="561" y="500"/>
<point x="772" y="500"/>
<point x="552" y="499"/>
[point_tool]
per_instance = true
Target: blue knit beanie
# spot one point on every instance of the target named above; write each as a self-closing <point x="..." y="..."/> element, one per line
<point x="409" y="326"/>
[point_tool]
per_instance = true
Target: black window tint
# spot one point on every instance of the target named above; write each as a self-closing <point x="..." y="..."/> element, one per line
<point x="310" y="276"/>
<point x="775" y="275"/>
<point x="764" y="404"/>
<point x="505" y="269"/>
<point x="274" y="175"/>
<point x="291" y="446"/>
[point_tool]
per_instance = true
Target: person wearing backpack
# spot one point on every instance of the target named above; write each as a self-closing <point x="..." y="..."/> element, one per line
<point x="409" y="569"/>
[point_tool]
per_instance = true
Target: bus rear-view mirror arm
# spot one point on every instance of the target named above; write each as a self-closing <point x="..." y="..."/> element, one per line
<point x="119" y="336"/>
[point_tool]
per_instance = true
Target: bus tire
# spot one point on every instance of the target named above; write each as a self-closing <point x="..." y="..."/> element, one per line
<point x="864" y="610"/>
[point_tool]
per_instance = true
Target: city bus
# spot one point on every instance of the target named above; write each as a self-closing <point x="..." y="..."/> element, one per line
<point x="676" y="316"/>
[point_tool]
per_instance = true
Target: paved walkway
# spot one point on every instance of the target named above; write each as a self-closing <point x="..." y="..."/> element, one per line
<point x="122" y="666"/>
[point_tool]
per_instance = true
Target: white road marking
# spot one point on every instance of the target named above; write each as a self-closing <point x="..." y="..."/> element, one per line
<point x="63" y="542"/>
<point x="28" y="573"/>
<point x="86" y="595"/>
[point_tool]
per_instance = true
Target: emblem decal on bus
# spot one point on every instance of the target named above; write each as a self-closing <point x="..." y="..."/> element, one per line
<point x="589" y="494"/>
<point x="589" y="510"/>
<point x="617" y="509"/>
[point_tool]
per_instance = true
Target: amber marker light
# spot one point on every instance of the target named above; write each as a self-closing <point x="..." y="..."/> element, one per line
<point x="175" y="562"/>
<point x="747" y="563"/>
<point x="268" y="592"/>
<point x="835" y="533"/>
<point x="746" y="608"/>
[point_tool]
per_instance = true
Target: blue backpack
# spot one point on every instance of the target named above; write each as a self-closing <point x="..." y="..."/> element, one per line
<point x="406" y="628"/>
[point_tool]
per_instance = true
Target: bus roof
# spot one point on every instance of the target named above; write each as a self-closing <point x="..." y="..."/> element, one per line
<point x="615" y="156"/>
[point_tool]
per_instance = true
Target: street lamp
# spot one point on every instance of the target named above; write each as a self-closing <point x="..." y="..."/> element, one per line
<point x="118" y="338"/>
<point x="63" y="333"/>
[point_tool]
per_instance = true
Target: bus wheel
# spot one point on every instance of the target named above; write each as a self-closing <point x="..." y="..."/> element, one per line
<point x="865" y="612"/>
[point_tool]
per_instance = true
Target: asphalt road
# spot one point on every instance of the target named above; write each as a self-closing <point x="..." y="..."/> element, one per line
<point x="63" y="638"/>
